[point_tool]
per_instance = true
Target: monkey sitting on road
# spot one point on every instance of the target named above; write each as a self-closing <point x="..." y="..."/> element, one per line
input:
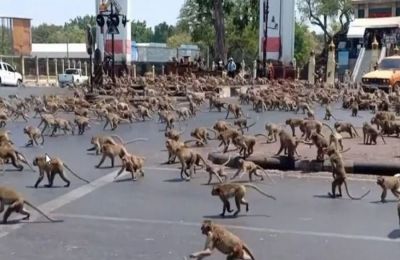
<point x="34" y="134"/>
<point x="250" y="168"/>
<point x="392" y="183"/>
<point x="238" y="191"/>
<point x="51" y="168"/>
<point x="15" y="202"/>
<point x="226" y="242"/>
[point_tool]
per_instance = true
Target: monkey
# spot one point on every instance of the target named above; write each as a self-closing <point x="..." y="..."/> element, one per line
<point x="235" y="109"/>
<point x="99" y="140"/>
<point x="202" y="135"/>
<point x="328" y="114"/>
<point x="339" y="174"/>
<point x="220" y="126"/>
<point x="111" y="151"/>
<point x="132" y="164"/>
<point x="8" y="152"/>
<point x="188" y="159"/>
<point x="346" y="127"/>
<point x="225" y="241"/>
<point x="243" y="124"/>
<point x="172" y="148"/>
<point x="216" y="103"/>
<point x="51" y="169"/>
<point x="20" y="113"/>
<point x="144" y="113"/>
<point x="272" y="132"/>
<point x="336" y="139"/>
<point x="219" y="173"/>
<point x="250" y="168"/>
<point x="370" y="134"/>
<point x="287" y="144"/>
<point x="226" y="191"/>
<point x="293" y="123"/>
<point x="304" y="106"/>
<point x="354" y="109"/>
<point x="48" y="120"/>
<point x="173" y="134"/>
<point x="392" y="183"/>
<point x="245" y="144"/>
<point x="321" y="143"/>
<point x="113" y="120"/>
<point x="183" y="113"/>
<point x="82" y="123"/>
<point x="5" y="137"/>
<point x="63" y="124"/>
<point x="226" y="136"/>
<point x="33" y="134"/>
<point x="3" y="119"/>
<point x="15" y="202"/>
<point x="169" y="120"/>
<point x="309" y="126"/>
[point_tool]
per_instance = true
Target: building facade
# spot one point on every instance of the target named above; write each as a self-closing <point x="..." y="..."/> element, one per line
<point x="376" y="8"/>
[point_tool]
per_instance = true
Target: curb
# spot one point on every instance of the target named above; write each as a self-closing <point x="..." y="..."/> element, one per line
<point x="283" y="163"/>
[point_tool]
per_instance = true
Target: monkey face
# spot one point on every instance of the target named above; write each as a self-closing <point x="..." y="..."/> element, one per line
<point x="380" y="180"/>
<point x="206" y="227"/>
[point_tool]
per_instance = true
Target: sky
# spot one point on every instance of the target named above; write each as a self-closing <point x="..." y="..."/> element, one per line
<point x="47" y="11"/>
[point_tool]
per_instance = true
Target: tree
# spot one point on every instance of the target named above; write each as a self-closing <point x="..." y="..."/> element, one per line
<point x="178" y="39"/>
<point x="5" y="41"/>
<point x="140" y="32"/>
<point x="320" y="12"/>
<point x="304" y="44"/>
<point x="162" y="32"/>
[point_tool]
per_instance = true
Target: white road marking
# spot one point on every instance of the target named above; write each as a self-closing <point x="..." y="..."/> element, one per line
<point x="246" y="228"/>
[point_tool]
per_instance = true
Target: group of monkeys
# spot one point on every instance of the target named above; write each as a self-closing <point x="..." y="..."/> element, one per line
<point x="115" y="112"/>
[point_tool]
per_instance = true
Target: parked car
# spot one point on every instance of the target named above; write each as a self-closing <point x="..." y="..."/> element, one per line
<point x="9" y="75"/>
<point x="72" y="77"/>
<point x="386" y="77"/>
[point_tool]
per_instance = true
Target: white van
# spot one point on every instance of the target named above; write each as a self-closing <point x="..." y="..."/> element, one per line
<point x="9" y="76"/>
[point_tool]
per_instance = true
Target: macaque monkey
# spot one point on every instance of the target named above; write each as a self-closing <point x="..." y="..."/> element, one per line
<point x="5" y="137"/>
<point x="226" y="242"/>
<point x="272" y="132"/>
<point x="321" y="143"/>
<point x="221" y="126"/>
<point x="226" y="136"/>
<point x="216" y="103"/>
<point x="48" y="120"/>
<point x="132" y="164"/>
<point x="328" y="113"/>
<point x="250" y="168"/>
<point x="15" y="202"/>
<point x="370" y="134"/>
<point x="354" y="109"/>
<point x="389" y="183"/>
<point x="20" y="113"/>
<point x="339" y="174"/>
<point x="3" y="119"/>
<point x="34" y="134"/>
<point x="217" y="171"/>
<point x="111" y="151"/>
<point x="287" y="144"/>
<point x="188" y="159"/>
<point x="309" y="126"/>
<point x="293" y="123"/>
<point x="63" y="124"/>
<point x="113" y="120"/>
<point x="346" y="127"/>
<point x="235" y="109"/>
<point x="202" y="135"/>
<point x="82" y="123"/>
<point x="226" y="191"/>
<point x="99" y="140"/>
<point x="243" y="124"/>
<point x="245" y="144"/>
<point x="169" y="121"/>
<point x="8" y="152"/>
<point x="51" y="169"/>
<point x="173" y="134"/>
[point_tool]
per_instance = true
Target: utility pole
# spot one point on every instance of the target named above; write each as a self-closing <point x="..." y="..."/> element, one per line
<point x="265" y="43"/>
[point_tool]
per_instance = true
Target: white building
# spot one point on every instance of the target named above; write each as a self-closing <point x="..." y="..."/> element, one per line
<point x="59" y="50"/>
<point x="280" y="43"/>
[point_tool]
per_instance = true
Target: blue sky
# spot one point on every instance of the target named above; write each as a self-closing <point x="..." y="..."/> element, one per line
<point x="60" y="11"/>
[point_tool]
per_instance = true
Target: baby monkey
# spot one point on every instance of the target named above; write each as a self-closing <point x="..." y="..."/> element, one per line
<point x="226" y="191"/>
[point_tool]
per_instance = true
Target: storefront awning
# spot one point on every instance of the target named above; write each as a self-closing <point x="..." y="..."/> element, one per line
<point x="356" y="32"/>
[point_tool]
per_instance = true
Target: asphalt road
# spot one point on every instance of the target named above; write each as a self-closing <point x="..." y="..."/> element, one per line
<point x="158" y="217"/>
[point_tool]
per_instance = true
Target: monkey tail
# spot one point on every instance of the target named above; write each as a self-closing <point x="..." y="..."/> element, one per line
<point x="257" y="135"/>
<point x="41" y="212"/>
<point x="345" y="151"/>
<point x="266" y="174"/>
<point x="251" y="125"/>
<point x="24" y="160"/>
<point x="355" y="131"/>
<point x="214" y="132"/>
<point x="137" y="140"/>
<point x="76" y="175"/>
<point x="118" y="138"/>
<point x="354" y="198"/>
<point x="247" y="250"/>
<point x="330" y="128"/>
<point x="227" y="161"/>
<point x="42" y="136"/>
<point x="248" y="185"/>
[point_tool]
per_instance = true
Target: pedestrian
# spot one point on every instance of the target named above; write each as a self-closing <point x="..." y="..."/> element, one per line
<point x="231" y="68"/>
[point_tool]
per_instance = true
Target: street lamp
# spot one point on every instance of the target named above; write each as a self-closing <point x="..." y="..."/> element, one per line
<point x="113" y="20"/>
<point x="266" y="27"/>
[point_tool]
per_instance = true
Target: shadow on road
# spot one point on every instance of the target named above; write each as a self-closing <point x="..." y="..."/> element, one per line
<point x="395" y="234"/>
<point x="379" y="202"/>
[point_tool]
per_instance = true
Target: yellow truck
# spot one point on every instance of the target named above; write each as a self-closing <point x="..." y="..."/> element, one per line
<point x="386" y="77"/>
